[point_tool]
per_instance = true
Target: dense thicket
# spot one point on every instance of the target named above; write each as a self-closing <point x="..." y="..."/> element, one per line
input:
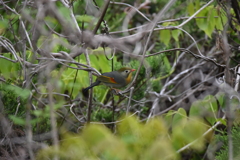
<point x="183" y="102"/>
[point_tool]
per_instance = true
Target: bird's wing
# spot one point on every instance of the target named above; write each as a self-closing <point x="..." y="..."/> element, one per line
<point x="106" y="79"/>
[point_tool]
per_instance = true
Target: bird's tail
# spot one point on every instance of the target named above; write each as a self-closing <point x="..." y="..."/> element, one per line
<point x="85" y="90"/>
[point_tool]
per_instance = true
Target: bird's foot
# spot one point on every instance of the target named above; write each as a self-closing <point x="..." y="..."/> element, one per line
<point x="115" y="91"/>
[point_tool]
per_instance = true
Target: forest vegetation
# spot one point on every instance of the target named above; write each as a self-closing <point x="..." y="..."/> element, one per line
<point x="183" y="100"/>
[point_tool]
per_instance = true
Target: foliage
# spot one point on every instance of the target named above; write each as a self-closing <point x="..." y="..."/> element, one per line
<point x="133" y="140"/>
<point x="185" y="52"/>
<point x="14" y="99"/>
<point x="222" y="154"/>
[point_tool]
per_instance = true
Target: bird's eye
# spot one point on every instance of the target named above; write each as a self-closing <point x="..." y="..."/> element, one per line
<point x="126" y="71"/>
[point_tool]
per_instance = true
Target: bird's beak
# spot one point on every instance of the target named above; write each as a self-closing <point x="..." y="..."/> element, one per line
<point x="133" y="70"/>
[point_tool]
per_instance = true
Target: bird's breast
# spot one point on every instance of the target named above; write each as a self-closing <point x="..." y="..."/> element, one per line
<point x="129" y="78"/>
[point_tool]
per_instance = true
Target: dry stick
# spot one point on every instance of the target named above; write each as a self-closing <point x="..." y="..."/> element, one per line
<point x="53" y="120"/>
<point x="74" y="81"/>
<point x="91" y="93"/>
<point x="94" y="32"/>
<point x="178" y="102"/>
<point x="136" y="9"/>
<point x="237" y="79"/>
<point x="188" y="51"/>
<point x="101" y="17"/>
<point x="129" y="100"/>
<point x="6" y="43"/>
<point x="113" y="111"/>
<point x="29" y="134"/>
<point x="144" y="25"/>
<point x="73" y="62"/>
<point x="113" y="105"/>
<point x="229" y="113"/>
<point x="72" y="15"/>
<point x="88" y="63"/>
<point x="152" y="25"/>
<point x="171" y="107"/>
<point x="14" y="61"/>
<point x="22" y="140"/>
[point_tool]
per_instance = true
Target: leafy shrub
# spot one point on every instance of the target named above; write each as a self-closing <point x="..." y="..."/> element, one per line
<point x="222" y="154"/>
<point x="133" y="140"/>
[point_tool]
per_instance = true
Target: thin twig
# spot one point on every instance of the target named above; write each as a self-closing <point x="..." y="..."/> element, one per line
<point x="102" y="16"/>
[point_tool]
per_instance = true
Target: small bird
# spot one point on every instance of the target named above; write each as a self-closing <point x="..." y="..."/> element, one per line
<point x="115" y="79"/>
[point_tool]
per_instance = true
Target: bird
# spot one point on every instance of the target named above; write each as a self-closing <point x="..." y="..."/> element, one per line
<point x="114" y="79"/>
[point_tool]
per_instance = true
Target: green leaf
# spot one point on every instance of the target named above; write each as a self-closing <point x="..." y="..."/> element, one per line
<point x="175" y="34"/>
<point x="188" y="131"/>
<point x="217" y="19"/>
<point x="197" y="4"/>
<point x="207" y="107"/>
<point x="223" y="121"/>
<point x="165" y="36"/>
<point x="17" y="120"/>
<point x="234" y="102"/>
<point x="51" y="21"/>
<point x="9" y="69"/>
<point x="211" y="22"/>
<point x="167" y="64"/>
<point x="84" y="18"/>
<point x="23" y="93"/>
<point x="179" y="116"/>
<point x="37" y="112"/>
<point x="65" y="12"/>
<point x="169" y="116"/>
<point x="211" y="106"/>
<point x="219" y="24"/>
<point x="220" y="96"/>
<point x="202" y="22"/>
<point x="196" y="109"/>
<point x="3" y="25"/>
<point x="190" y="8"/>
